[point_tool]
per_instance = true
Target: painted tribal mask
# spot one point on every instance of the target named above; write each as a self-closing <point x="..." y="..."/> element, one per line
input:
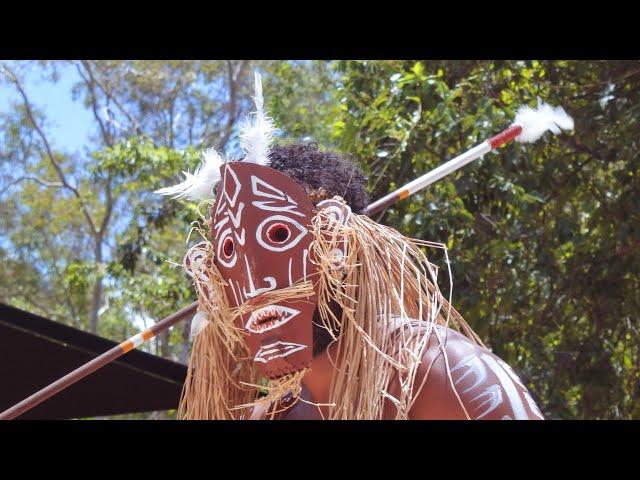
<point x="259" y="241"/>
<point x="260" y="232"/>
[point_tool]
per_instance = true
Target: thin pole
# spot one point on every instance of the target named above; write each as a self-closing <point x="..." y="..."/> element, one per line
<point x="444" y="170"/>
<point x="98" y="362"/>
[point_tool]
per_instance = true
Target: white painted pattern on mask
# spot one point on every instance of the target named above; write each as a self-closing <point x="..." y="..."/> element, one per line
<point x="240" y="238"/>
<point x="226" y="262"/>
<point x="240" y="292"/>
<point x="335" y="213"/>
<point x="235" y="295"/>
<point x="196" y="257"/>
<point x="277" y="350"/>
<point x="237" y="218"/>
<point x="236" y="187"/>
<point x="276" y="195"/>
<point x="219" y="225"/>
<point x="221" y="206"/>
<point x="253" y="292"/>
<point x="304" y="263"/>
<point x="290" y="244"/>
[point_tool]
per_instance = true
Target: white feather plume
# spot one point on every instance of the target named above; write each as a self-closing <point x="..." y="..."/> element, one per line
<point x="198" y="323"/>
<point x="199" y="185"/>
<point x="257" y="131"/>
<point x="535" y="122"/>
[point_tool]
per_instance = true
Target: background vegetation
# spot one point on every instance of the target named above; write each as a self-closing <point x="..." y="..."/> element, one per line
<point x="543" y="238"/>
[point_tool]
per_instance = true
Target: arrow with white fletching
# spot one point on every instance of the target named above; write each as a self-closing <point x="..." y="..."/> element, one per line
<point x="529" y="125"/>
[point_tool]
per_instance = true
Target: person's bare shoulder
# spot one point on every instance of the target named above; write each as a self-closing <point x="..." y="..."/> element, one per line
<point x="462" y="380"/>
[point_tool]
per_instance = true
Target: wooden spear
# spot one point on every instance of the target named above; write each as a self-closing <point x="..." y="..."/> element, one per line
<point x="98" y="362"/>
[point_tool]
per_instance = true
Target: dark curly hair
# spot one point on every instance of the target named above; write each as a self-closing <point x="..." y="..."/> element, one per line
<point x="322" y="174"/>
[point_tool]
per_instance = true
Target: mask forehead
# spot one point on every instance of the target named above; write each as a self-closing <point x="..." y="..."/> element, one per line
<point x="261" y="236"/>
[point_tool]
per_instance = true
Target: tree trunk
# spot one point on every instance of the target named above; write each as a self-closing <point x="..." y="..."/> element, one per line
<point x="164" y="345"/>
<point x="97" y="290"/>
<point x="185" y="344"/>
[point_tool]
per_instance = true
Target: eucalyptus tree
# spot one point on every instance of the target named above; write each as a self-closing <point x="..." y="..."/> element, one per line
<point x="75" y="223"/>
<point x="543" y="239"/>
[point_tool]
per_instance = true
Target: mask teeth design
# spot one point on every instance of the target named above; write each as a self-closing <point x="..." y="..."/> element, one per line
<point x="277" y="316"/>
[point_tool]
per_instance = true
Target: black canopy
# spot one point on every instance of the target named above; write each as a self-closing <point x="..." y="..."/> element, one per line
<point x="35" y="351"/>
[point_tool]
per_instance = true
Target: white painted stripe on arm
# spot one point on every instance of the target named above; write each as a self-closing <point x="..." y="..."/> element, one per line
<point x="509" y="387"/>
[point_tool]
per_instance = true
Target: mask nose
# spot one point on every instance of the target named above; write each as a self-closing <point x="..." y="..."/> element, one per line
<point x="256" y="285"/>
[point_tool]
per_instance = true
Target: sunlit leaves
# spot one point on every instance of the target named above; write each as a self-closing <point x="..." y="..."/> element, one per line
<point x="543" y="237"/>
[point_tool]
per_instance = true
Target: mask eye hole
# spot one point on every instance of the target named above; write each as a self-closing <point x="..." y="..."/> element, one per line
<point x="278" y="233"/>
<point x="227" y="247"/>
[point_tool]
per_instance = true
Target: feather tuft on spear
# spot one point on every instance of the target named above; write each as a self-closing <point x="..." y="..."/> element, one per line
<point x="529" y="125"/>
<point x="535" y="122"/>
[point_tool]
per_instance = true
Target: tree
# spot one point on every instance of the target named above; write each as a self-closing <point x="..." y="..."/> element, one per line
<point x="83" y="221"/>
<point x="543" y="238"/>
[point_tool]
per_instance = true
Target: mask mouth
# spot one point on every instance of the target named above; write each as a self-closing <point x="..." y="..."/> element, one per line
<point x="267" y="318"/>
<point x="277" y="350"/>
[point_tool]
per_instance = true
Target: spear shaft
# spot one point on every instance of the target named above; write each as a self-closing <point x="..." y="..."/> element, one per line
<point x="98" y="362"/>
<point x="443" y="170"/>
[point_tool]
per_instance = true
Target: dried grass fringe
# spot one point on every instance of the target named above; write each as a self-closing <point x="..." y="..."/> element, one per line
<point x="222" y="382"/>
<point x="384" y="280"/>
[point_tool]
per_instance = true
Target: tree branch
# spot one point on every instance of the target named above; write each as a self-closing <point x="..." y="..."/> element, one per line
<point x="90" y="82"/>
<point x="34" y="178"/>
<point x="134" y="125"/>
<point x="107" y="215"/>
<point x="50" y="155"/>
<point x="233" y="77"/>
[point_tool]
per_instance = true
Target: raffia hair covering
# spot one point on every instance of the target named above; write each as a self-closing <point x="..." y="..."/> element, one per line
<point x="390" y="300"/>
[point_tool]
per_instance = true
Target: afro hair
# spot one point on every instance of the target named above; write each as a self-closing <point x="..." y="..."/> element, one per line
<point x="323" y="174"/>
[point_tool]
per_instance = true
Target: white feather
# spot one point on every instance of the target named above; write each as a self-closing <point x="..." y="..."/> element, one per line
<point x="199" y="185"/>
<point x="535" y="122"/>
<point x="257" y="131"/>
<point x="198" y="323"/>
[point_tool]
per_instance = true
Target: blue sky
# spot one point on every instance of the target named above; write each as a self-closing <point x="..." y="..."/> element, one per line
<point x="69" y="122"/>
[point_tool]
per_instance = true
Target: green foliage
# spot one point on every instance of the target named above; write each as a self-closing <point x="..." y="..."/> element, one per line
<point x="543" y="238"/>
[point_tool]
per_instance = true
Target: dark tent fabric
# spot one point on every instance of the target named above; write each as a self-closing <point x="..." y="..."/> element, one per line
<point x="35" y="351"/>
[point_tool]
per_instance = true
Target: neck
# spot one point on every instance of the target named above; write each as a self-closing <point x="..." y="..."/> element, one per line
<point x="318" y="379"/>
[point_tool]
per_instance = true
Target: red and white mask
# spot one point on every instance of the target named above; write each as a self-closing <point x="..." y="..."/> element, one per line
<point x="260" y="232"/>
<point x="261" y="238"/>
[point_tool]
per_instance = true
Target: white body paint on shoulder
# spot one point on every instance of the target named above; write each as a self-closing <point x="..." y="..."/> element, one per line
<point x="509" y="387"/>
